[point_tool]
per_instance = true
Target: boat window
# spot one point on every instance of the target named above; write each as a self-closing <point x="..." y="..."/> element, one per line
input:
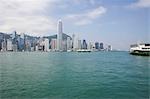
<point x="147" y="44"/>
<point x="145" y="48"/>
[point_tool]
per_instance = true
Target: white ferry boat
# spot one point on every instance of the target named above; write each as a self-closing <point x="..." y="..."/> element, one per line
<point x="140" y="49"/>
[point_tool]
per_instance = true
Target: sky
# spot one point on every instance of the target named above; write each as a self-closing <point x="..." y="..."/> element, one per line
<point x="114" y="22"/>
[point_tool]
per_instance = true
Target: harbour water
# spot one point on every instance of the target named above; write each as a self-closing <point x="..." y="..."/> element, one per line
<point x="95" y="75"/>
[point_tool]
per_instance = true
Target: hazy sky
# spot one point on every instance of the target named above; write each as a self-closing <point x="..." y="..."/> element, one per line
<point x="116" y="22"/>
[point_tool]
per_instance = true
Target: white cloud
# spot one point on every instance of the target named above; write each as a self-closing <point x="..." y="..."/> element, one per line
<point x="26" y="16"/>
<point x="35" y="16"/>
<point x="86" y="17"/>
<point x="140" y="4"/>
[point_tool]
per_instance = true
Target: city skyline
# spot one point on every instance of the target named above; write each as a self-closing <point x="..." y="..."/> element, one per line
<point x="119" y="23"/>
<point x="60" y="42"/>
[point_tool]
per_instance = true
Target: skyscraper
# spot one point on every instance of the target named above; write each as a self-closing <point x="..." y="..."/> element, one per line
<point x="4" y="45"/>
<point x="97" y="45"/>
<point x="79" y="44"/>
<point x="84" y="44"/>
<point x="59" y="37"/>
<point x="9" y="45"/>
<point x="68" y="43"/>
<point x="53" y="44"/>
<point x="46" y="44"/>
<point x="101" y="46"/>
<point x="73" y="41"/>
<point x="90" y="46"/>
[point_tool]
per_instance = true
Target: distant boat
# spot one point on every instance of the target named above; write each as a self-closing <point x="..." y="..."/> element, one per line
<point x="140" y="49"/>
<point x="83" y="50"/>
<point x="69" y="50"/>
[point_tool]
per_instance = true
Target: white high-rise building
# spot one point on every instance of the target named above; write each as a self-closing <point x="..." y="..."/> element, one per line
<point x="22" y="35"/>
<point x="73" y="41"/>
<point x="54" y="44"/>
<point x="4" y="45"/>
<point x="13" y="35"/>
<point x="36" y="48"/>
<point x="64" y="45"/>
<point x="46" y="44"/>
<point x="68" y="43"/>
<point x="90" y="46"/>
<point x="79" y="44"/>
<point x="9" y="45"/>
<point x="59" y="36"/>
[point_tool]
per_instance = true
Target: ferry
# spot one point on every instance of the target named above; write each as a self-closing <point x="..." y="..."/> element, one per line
<point x="140" y="49"/>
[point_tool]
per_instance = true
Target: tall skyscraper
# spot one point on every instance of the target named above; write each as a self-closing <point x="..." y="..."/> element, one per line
<point x="101" y="46"/>
<point x="97" y="45"/>
<point x="9" y="45"/>
<point x="84" y="44"/>
<point x="46" y="45"/>
<point x="68" y="43"/>
<point x="79" y="44"/>
<point x="90" y="46"/>
<point x="73" y="41"/>
<point x="4" y="45"/>
<point x="59" y="36"/>
<point x="14" y="35"/>
<point x="53" y="44"/>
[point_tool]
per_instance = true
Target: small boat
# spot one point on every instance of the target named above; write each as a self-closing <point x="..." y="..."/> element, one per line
<point x="83" y="50"/>
<point x="140" y="49"/>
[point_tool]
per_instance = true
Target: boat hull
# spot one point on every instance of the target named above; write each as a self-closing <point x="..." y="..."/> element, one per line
<point x="141" y="53"/>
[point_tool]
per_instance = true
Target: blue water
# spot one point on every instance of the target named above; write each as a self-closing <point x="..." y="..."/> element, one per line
<point x="96" y="75"/>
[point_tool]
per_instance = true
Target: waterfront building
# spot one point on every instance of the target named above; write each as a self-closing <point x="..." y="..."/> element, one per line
<point x="14" y="35"/>
<point x="14" y="41"/>
<point x="97" y="45"/>
<point x="53" y="44"/>
<point x="84" y="44"/>
<point x="22" y="42"/>
<point x="101" y="46"/>
<point x="27" y="45"/>
<point x="109" y="48"/>
<point x="64" y="45"/>
<point x="46" y="44"/>
<point x="73" y="42"/>
<point x="9" y="45"/>
<point x="1" y="40"/>
<point x="22" y="35"/>
<point x="32" y="49"/>
<point x="68" y="43"/>
<point x="19" y="43"/>
<point x="59" y="37"/>
<point x="79" y="44"/>
<point x="90" y="46"/>
<point x="4" y="45"/>
<point x="14" y="47"/>
<point x="0" y="45"/>
<point x="36" y="48"/>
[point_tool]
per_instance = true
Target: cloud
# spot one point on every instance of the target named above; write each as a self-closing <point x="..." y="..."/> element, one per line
<point x="36" y="25"/>
<point x="37" y="17"/>
<point x="86" y="17"/>
<point x="26" y="16"/>
<point x="91" y="2"/>
<point x="140" y="4"/>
